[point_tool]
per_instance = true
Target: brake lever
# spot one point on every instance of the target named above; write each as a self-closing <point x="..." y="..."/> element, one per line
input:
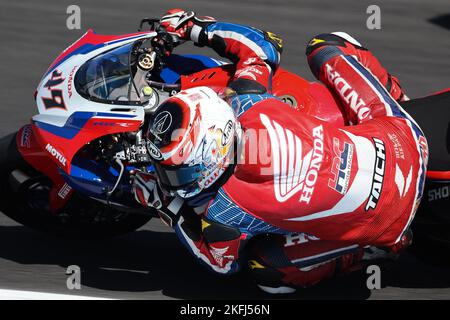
<point x="152" y="22"/>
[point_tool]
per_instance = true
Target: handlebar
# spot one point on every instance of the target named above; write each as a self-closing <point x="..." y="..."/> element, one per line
<point x="162" y="44"/>
<point x="164" y="86"/>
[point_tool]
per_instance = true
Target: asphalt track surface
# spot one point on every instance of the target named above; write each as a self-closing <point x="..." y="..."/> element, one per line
<point x="414" y="44"/>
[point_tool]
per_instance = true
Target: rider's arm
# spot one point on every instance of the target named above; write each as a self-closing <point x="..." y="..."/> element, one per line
<point x="255" y="53"/>
<point x="216" y="245"/>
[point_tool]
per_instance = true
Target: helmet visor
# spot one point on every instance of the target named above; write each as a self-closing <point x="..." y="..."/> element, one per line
<point x="178" y="177"/>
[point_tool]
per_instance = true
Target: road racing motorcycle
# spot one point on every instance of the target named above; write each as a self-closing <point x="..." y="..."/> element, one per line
<point x="69" y="171"/>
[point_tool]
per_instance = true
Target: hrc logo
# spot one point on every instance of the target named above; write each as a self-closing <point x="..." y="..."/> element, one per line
<point x="341" y="167"/>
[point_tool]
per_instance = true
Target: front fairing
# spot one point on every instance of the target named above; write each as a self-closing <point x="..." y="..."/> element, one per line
<point x="68" y="120"/>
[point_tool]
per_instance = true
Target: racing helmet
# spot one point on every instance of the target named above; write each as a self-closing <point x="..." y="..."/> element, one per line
<point x="190" y="139"/>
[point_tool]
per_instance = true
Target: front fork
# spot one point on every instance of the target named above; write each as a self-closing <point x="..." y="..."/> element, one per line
<point x="37" y="158"/>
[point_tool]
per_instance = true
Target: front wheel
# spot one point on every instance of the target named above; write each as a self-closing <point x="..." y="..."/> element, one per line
<point x="28" y="203"/>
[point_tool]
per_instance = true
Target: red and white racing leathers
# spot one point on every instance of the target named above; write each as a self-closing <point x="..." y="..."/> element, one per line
<point x="323" y="192"/>
<point x="255" y="53"/>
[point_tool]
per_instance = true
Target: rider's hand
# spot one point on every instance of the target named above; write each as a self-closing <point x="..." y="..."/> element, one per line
<point x="146" y="190"/>
<point x="148" y="193"/>
<point x="180" y="23"/>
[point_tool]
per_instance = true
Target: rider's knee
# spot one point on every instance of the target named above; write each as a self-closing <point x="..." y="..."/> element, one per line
<point x="323" y="47"/>
<point x="334" y="39"/>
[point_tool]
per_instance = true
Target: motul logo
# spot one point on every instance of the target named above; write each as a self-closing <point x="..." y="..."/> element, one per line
<point x="56" y="154"/>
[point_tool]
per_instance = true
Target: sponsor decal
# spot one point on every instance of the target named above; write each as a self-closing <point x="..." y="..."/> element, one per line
<point x="104" y="124"/>
<point x="227" y="133"/>
<point x="378" y="175"/>
<point x="219" y="254"/>
<point x="56" y="154"/>
<point x="402" y="183"/>
<point x="57" y="99"/>
<point x="251" y="72"/>
<point x="249" y="61"/>
<point x="162" y="123"/>
<point x="211" y="178"/>
<point x="25" y="137"/>
<point x="316" y="161"/>
<point x="347" y="93"/>
<point x="64" y="191"/>
<point x="70" y="81"/>
<point x="398" y="148"/>
<point x="298" y="238"/>
<point x="194" y="97"/>
<point x="154" y="151"/>
<point x="341" y="167"/>
<point x="424" y="149"/>
<point x="276" y="40"/>
<point x="439" y="193"/>
<point x="292" y="172"/>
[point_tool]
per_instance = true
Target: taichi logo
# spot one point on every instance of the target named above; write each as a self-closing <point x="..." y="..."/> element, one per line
<point x="378" y="174"/>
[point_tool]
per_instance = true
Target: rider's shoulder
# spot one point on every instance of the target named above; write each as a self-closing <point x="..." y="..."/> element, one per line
<point x="246" y="101"/>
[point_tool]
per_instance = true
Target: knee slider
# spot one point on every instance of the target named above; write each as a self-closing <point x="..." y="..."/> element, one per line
<point x="323" y="48"/>
<point x="338" y="39"/>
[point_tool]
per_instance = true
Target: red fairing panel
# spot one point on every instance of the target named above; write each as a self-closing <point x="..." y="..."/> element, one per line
<point x="40" y="160"/>
<point x="62" y="150"/>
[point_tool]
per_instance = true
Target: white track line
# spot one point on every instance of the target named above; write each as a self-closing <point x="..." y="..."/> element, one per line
<point x="33" y="295"/>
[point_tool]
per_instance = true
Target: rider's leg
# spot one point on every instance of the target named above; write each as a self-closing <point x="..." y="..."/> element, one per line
<point x="349" y="46"/>
<point x="356" y="78"/>
<point x="280" y="264"/>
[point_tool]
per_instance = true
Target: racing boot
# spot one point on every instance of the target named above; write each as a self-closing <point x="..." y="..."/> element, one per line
<point x="391" y="252"/>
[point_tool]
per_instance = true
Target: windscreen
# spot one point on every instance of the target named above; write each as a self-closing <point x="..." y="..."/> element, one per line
<point x="106" y="78"/>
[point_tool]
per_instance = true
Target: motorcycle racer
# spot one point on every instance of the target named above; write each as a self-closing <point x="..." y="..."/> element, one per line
<point x="326" y="199"/>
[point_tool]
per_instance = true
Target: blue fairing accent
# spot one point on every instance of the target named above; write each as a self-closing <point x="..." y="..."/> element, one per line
<point x="75" y="123"/>
<point x="225" y="211"/>
<point x="177" y="65"/>
<point x="90" y="177"/>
